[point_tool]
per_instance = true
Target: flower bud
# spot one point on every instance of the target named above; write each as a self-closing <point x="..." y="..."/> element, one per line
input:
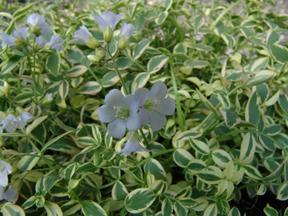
<point x="122" y="43"/>
<point x="92" y="43"/>
<point x="108" y="34"/>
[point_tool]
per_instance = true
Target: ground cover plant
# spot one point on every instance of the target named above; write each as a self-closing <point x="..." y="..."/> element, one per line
<point x="143" y="108"/>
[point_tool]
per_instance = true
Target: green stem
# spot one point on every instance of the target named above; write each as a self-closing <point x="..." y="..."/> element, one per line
<point x="178" y="104"/>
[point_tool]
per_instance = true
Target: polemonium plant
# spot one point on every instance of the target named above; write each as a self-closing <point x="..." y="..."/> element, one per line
<point x="11" y="123"/>
<point x="120" y="112"/>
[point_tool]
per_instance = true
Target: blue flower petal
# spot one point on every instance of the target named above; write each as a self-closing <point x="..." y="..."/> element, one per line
<point x="10" y="195"/>
<point x="117" y="128"/>
<point x="156" y="120"/>
<point x="133" y="122"/>
<point x="158" y="90"/>
<point x="56" y="43"/>
<point x="41" y="41"/>
<point x="131" y="146"/>
<point x="127" y="30"/>
<point x="166" y="106"/>
<point x="21" y="33"/>
<point x="107" y="19"/>
<point x="82" y="35"/>
<point x="7" y="40"/>
<point x="115" y="98"/>
<point x="106" y="114"/>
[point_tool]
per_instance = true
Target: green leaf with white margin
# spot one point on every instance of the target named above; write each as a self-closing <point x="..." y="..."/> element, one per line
<point x="253" y="172"/>
<point x="76" y="71"/>
<point x="35" y="124"/>
<point x="221" y="157"/>
<point x="167" y="207"/>
<point x="270" y="211"/>
<point x="161" y="18"/>
<point x="10" y="209"/>
<point x="155" y="168"/>
<point x="109" y="79"/>
<point x="53" y="209"/>
<point x="279" y="52"/>
<point x="140" y="48"/>
<point x="28" y="162"/>
<point x="182" y="157"/>
<point x="271" y="101"/>
<point x="211" y="210"/>
<point x="283" y="102"/>
<point x="90" y="208"/>
<point x="260" y="77"/>
<point x="252" y="113"/>
<point x="46" y="183"/>
<point x="140" y="81"/>
<point x="234" y="212"/>
<point x="53" y="63"/>
<point x="90" y="88"/>
<point x="286" y="212"/>
<point x="139" y="200"/>
<point x="123" y="63"/>
<point x="168" y="4"/>
<point x="199" y="146"/>
<point x="156" y="63"/>
<point x="211" y="175"/>
<point x="119" y="191"/>
<point x="179" y="209"/>
<point x="247" y="149"/>
<point x="258" y="64"/>
<point x="282" y="193"/>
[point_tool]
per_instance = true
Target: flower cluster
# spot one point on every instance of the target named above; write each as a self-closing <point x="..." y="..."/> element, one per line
<point x="8" y="194"/>
<point x="131" y="112"/>
<point x="40" y="32"/>
<point x="107" y="22"/>
<point x="11" y="123"/>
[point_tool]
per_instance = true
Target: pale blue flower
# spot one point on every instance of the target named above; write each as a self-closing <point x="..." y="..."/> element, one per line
<point x="10" y="124"/>
<point x="21" y="33"/>
<point x="16" y="37"/>
<point x="5" y="170"/>
<point x="23" y="119"/>
<point x="155" y="105"/>
<point x="56" y="43"/>
<point x="41" y="41"/>
<point x="126" y="30"/>
<point x="7" y="40"/>
<point x="108" y="19"/>
<point x="38" y="24"/>
<point x="120" y="112"/>
<point x="132" y="145"/>
<point x="9" y="195"/>
<point x="82" y="35"/>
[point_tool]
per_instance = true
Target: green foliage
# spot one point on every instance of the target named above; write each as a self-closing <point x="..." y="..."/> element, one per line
<point x="226" y="67"/>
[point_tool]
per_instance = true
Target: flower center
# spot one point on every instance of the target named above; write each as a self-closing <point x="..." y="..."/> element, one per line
<point x="149" y="104"/>
<point x="122" y="112"/>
